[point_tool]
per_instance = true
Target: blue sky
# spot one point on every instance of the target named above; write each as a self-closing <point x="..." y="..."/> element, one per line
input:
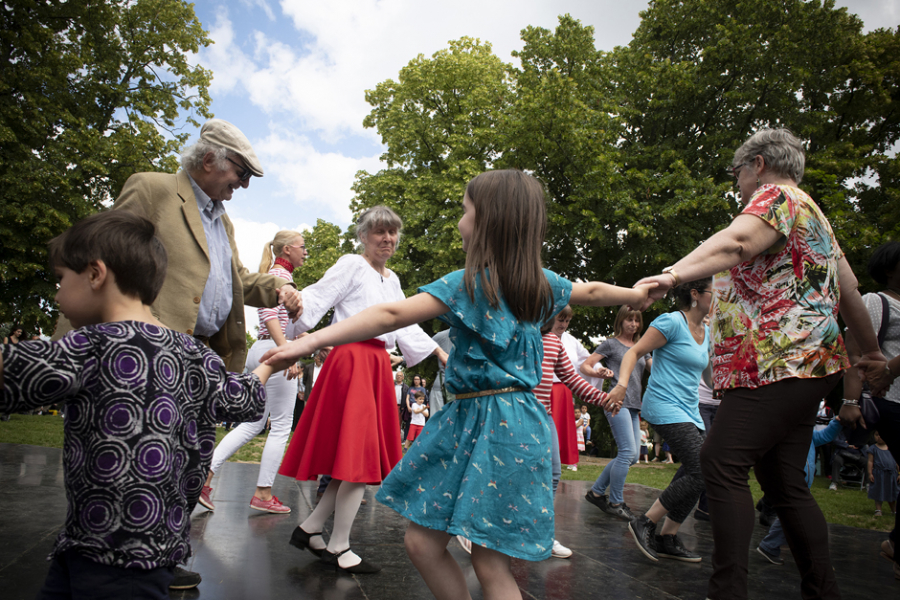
<point x="292" y="75"/>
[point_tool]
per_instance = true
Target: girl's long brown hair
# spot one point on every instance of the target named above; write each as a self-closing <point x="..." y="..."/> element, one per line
<point x="505" y="248"/>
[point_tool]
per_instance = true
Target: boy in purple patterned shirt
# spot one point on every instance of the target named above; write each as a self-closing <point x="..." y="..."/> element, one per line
<point x="142" y="403"/>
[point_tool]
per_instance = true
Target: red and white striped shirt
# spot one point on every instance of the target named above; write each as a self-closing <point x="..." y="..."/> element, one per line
<point x="279" y="312"/>
<point x="557" y="361"/>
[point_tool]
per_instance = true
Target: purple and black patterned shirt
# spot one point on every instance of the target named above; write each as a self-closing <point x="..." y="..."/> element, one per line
<point x="142" y="402"/>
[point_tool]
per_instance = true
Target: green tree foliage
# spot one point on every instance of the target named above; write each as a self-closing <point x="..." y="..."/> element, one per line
<point x="633" y="144"/>
<point x="325" y="247"/>
<point x="440" y="123"/>
<point x="700" y="77"/>
<point x="91" y="91"/>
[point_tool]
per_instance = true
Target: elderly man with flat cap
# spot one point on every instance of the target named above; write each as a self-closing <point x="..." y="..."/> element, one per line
<point x="206" y="285"/>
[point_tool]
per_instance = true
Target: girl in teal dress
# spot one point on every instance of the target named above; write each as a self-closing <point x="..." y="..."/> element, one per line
<point x="481" y="468"/>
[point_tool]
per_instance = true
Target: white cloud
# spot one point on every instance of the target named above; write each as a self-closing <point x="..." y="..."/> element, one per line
<point x="262" y="5"/>
<point x="319" y="182"/>
<point x="225" y="58"/>
<point x="349" y="47"/>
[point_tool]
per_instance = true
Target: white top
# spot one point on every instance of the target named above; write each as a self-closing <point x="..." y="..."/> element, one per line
<point x="398" y="388"/>
<point x="418" y="414"/>
<point x="351" y="286"/>
<point x="575" y="351"/>
<point x="891" y="346"/>
<point x="586" y="417"/>
<point x="316" y="369"/>
<point x="706" y="395"/>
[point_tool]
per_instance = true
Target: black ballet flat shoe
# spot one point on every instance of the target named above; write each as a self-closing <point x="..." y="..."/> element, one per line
<point x="363" y="568"/>
<point x="300" y="539"/>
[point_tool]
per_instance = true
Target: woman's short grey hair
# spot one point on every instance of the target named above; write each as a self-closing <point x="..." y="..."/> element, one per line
<point x="192" y="156"/>
<point x="781" y="149"/>
<point x="378" y="216"/>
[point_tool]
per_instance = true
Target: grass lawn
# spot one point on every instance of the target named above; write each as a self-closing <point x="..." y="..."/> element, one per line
<point x="845" y="506"/>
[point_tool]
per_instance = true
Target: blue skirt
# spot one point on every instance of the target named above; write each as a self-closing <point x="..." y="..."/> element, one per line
<point x="481" y="468"/>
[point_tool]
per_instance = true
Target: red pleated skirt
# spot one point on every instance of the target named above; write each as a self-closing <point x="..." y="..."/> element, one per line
<point x="563" y="409"/>
<point x="349" y="427"/>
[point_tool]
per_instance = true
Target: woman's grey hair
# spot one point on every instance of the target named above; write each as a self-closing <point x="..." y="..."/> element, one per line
<point x="378" y="216"/>
<point x="781" y="149"/>
<point x="192" y="156"/>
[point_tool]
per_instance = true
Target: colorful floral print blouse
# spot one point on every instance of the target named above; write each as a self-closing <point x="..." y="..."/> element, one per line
<point x="776" y="314"/>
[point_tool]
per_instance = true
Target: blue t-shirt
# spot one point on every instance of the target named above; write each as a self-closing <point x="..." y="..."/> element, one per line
<point x="671" y="395"/>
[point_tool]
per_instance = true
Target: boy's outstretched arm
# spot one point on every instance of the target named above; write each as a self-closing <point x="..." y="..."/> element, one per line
<point x="365" y="325"/>
<point x="596" y="293"/>
<point x="263" y="371"/>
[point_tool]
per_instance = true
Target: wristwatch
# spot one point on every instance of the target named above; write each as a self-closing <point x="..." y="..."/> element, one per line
<point x="671" y="271"/>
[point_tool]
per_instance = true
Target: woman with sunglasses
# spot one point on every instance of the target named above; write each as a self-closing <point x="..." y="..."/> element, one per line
<point x="679" y="342"/>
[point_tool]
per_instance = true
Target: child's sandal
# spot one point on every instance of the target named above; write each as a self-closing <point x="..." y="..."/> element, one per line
<point x="877" y="513"/>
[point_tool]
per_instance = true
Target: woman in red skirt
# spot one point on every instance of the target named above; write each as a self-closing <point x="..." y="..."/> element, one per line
<point x="349" y="427"/>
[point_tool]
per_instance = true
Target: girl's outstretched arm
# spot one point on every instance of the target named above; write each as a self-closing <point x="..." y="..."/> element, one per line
<point x="596" y="293"/>
<point x="365" y="325"/>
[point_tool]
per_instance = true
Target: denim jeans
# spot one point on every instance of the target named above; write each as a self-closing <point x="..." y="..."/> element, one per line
<point x="556" y="464"/>
<point x="774" y="540"/>
<point x="626" y="428"/>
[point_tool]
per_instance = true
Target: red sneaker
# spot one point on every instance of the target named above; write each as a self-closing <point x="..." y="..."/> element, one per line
<point x="205" y="499"/>
<point x="272" y="506"/>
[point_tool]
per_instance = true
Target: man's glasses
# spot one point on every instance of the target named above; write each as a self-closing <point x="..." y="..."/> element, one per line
<point x="244" y="174"/>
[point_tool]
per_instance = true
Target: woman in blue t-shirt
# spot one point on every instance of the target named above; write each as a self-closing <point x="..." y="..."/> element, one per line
<point x="680" y="344"/>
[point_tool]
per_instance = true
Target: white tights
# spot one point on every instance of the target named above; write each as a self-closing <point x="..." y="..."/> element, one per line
<point x="343" y="499"/>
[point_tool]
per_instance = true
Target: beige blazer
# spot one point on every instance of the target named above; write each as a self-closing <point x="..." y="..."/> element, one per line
<point x="169" y="202"/>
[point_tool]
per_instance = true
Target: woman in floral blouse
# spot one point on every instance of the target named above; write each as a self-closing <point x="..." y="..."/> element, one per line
<point x="780" y="281"/>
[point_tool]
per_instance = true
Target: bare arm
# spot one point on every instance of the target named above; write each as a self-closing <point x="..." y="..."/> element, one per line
<point x="595" y="293"/>
<point x="587" y="367"/>
<point x="274" y="328"/>
<point x="869" y="466"/>
<point x="856" y="316"/>
<point x="650" y="341"/>
<point x="264" y="371"/>
<point x="746" y="237"/>
<point x="365" y="325"/>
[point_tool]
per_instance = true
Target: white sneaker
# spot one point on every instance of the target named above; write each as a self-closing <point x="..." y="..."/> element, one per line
<point x="560" y="551"/>
<point x="833" y="487"/>
<point x="572" y="467"/>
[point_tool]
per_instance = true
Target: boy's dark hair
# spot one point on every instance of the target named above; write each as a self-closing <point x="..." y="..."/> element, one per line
<point x="125" y="242"/>
<point x="419" y="395"/>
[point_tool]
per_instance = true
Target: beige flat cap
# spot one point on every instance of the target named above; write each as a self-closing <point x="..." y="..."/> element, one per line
<point x="223" y="133"/>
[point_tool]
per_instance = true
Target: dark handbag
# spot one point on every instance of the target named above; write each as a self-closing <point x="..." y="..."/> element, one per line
<point x="867" y="405"/>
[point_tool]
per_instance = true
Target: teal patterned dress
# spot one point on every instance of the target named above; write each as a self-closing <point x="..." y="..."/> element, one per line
<point x="481" y="467"/>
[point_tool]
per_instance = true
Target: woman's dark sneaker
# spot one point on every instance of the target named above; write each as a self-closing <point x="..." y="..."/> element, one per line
<point x="670" y="546"/>
<point x="644" y="532"/>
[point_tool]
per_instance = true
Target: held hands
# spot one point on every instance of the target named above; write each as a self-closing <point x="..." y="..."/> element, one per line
<point x="292" y="300"/>
<point x="284" y="356"/>
<point x="872" y="369"/>
<point x="644" y="290"/>
<point x="851" y="415"/>
<point x="293" y="372"/>
<point x="660" y="284"/>
<point x="603" y="372"/>
<point x="614" y="401"/>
